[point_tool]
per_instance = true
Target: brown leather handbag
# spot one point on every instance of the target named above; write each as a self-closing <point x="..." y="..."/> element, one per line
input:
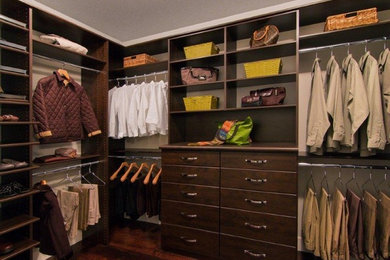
<point x="264" y="97"/>
<point x="192" y="75"/>
<point x="266" y="35"/>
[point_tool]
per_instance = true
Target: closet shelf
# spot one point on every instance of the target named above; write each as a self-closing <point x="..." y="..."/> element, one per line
<point x="212" y="60"/>
<point x="19" y="196"/>
<point x="18" y="144"/>
<point x="353" y="159"/>
<point x="82" y="157"/>
<point x="18" y="123"/>
<point x="262" y="107"/>
<point x="20" y="247"/>
<point x="25" y="169"/>
<point x="135" y="150"/>
<point x="8" y="101"/>
<point x="14" y="73"/>
<point x="255" y="146"/>
<point x="14" y="49"/>
<point x="16" y="222"/>
<point x="14" y="25"/>
<point x="140" y="70"/>
<point x="203" y="86"/>
<point x="273" y="79"/>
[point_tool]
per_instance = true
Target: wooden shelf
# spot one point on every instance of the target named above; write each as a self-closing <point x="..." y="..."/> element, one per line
<point x="20" y="247"/>
<point x="282" y="147"/>
<point x="24" y="169"/>
<point x="273" y="79"/>
<point x="18" y="123"/>
<point x="19" y="196"/>
<point x="237" y="109"/>
<point x="212" y="60"/>
<point x="82" y="157"/>
<point x="202" y="86"/>
<point x="141" y="69"/>
<point x="18" y="144"/>
<point x="14" y="26"/>
<point x="8" y="101"/>
<point x="13" y="49"/>
<point x="14" y="73"/>
<point x="16" y="222"/>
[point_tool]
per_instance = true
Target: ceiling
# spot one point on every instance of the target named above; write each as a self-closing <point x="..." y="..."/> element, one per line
<point x="128" y="22"/>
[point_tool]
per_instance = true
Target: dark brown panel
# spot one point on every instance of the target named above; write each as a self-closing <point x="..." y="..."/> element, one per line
<point x="190" y="158"/>
<point x="285" y="182"/>
<point x="190" y="240"/>
<point x="190" y="193"/>
<point x="239" y="248"/>
<point x="259" y="201"/>
<point x="185" y="214"/>
<point x="191" y="175"/>
<point x="264" y="227"/>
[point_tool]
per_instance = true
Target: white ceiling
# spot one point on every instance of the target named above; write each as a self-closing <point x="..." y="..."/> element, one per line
<point x="132" y="21"/>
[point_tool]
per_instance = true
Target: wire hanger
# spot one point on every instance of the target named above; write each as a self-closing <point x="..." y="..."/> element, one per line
<point x="339" y="182"/>
<point x="83" y="177"/>
<point x="384" y="43"/>
<point x="365" y="46"/>
<point x="316" y="53"/>
<point x="67" y="178"/>
<point x="331" y="51"/>
<point x="369" y="180"/>
<point x="348" y="44"/>
<point x="97" y="177"/>
<point x="311" y="181"/>
<point x="325" y="180"/>
<point x="356" y="183"/>
<point x="384" y="182"/>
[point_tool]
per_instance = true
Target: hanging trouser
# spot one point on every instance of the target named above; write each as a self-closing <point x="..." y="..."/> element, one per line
<point x="69" y="205"/>
<point x="369" y="218"/>
<point x="340" y="249"/>
<point x="311" y="223"/>
<point x="325" y="226"/>
<point x="355" y="225"/>
<point x="384" y="224"/>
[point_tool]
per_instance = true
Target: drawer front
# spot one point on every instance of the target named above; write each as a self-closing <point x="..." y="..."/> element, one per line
<point x="185" y="214"/>
<point x="240" y="248"/>
<point x="190" y="240"/>
<point x="191" y="175"/>
<point x="259" y="226"/>
<point x="259" y="180"/>
<point x="198" y="158"/>
<point x="190" y="193"/>
<point x="282" y="204"/>
<point x="259" y="161"/>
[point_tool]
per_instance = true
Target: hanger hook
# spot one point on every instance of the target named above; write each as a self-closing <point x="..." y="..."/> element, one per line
<point x="348" y="48"/>
<point x="331" y="51"/>
<point x="365" y="46"/>
<point x="155" y="76"/>
<point x="339" y="171"/>
<point x="384" y="43"/>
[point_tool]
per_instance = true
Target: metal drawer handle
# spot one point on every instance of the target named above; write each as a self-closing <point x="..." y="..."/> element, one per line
<point x="189" y="194"/>
<point x="258" y="202"/>
<point x="259" y="255"/>
<point x="188" y="215"/>
<point x="256" y="161"/>
<point x="189" y="158"/>
<point x="247" y="224"/>
<point x="187" y="175"/>
<point x="256" y="180"/>
<point x="188" y="240"/>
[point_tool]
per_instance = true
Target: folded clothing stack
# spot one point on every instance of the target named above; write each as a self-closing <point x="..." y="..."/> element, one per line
<point x="60" y="154"/>
<point x="64" y="43"/>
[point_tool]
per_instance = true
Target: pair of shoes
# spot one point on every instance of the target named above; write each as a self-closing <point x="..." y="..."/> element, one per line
<point x="15" y="163"/>
<point x="6" y="247"/>
<point x="11" y="189"/>
<point x="9" y="118"/>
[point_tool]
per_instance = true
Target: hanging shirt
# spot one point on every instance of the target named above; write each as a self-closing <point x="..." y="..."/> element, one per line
<point x="143" y="108"/>
<point x="334" y="106"/>
<point x="132" y="114"/>
<point x="112" y="120"/>
<point x="311" y="223"/>
<point x="117" y="127"/>
<point x="384" y="69"/>
<point x="157" y="117"/>
<point x="318" y="122"/>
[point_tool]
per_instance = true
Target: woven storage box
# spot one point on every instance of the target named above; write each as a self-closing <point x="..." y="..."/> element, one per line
<point x="263" y="68"/>
<point x="138" y="59"/>
<point x="200" y="103"/>
<point x="352" y="19"/>
<point x="200" y="50"/>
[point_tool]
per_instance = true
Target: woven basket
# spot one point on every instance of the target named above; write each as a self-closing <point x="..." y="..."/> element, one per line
<point x="139" y="59"/>
<point x="200" y="50"/>
<point x="351" y="19"/>
<point x="200" y="103"/>
<point x="263" y="68"/>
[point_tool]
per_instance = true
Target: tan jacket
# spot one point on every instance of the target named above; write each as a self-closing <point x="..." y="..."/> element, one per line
<point x="318" y="122"/>
<point x="334" y="105"/>
<point x="311" y="223"/>
<point x="372" y="137"/>
<point x="356" y="107"/>
<point x="384" y="70"/>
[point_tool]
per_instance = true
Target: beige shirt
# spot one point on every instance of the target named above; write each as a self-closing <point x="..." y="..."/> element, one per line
<point x="318" y="122"/>
<point x="384" y="70"/>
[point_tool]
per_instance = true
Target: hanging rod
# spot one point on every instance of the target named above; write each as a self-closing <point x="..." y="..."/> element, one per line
<point x="342" y="44"/>
<point x="67" y="168"/>
<point x="132" y="157"/>
<point x="141" y="76"/>
<point x="66" y="63"/>
<point x="304" y="164"/>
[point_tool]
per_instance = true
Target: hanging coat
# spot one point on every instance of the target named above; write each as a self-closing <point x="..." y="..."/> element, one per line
<point x="384" y="70"/>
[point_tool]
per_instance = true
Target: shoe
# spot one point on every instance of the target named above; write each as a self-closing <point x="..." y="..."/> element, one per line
<point x="10" y="118"/>
<point x="17" y="187"/>
<point x="6" y="166"/>
<point x="6" y="191"/>
<point x="16" y="164"/>
<point x="6" y="247"/>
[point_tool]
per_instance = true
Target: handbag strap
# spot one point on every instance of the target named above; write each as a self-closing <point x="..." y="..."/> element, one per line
<point x="262" y="36"/>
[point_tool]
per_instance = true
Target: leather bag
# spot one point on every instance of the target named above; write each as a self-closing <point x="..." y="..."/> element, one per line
<point x="264" y="36"/>
<point x="67" y="152"/>
<point x="198" y="75"/>
<point x="264" y="97"/>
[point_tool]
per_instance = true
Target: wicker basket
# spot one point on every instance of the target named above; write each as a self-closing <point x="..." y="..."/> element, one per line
<point x="263" y="68"/>
<point x="137" y="60"/>
<point x="200" y="103"/>
<point x="351" y="19"/>
<point x="200" y="50"/>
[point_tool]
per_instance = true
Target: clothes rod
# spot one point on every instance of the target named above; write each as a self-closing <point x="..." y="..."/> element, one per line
<point x="67" y="168"/>
<point x="132" y="157"/>
<point x="343" y="44"/>
<point x="382" y="167"/>
<point x="66" y="63"/>
<point x="141" y="76"/>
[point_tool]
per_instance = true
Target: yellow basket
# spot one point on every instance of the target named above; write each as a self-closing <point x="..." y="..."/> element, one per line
<point x="263" y="68"/>
<point x="200" y="103"/>
<point x="200" y="50"/>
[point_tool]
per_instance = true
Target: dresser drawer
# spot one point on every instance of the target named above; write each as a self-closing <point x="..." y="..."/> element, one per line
<point x="185" y="214"/>
<point x="259" y="226"/>
<point x="259" y="180"/>
<point x="259" y="161"/>
<point x="198" y="158"/>
<point x="240" y="248"/>
<point x="283" y="204"/>
<point x="191" y="175"/>
<point x="190" y="193"/>
<point x="190" y="240"/>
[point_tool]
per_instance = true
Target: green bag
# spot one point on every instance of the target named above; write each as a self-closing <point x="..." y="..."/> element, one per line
<point x="238" y="134"/>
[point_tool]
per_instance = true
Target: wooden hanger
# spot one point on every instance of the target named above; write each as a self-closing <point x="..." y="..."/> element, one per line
<point x="155" y="180"/>
<point x="142" y="167"/>
<point x="149" y="174"/>
<point x="113" y="176"/>
<point x="131" y="166"/>
<point x="65" y="74"/>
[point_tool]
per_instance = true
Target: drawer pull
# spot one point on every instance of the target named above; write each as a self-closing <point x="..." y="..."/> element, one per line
<point x="189" y="194"/>
<point x="187" y="175"/>
<point x="188" y="240"/>
<point x="189" y="158"/>
<point x="258" y="202"/>
<point x="256" y="180"/>
<point x="247" y="224"/>
<point x="254" y="254"/>
<point x="256" y="161"/>
<point x="188" y="215"/>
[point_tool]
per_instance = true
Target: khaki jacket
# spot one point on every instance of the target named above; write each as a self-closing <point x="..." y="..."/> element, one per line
<point x="384" y="70"/>
<point x="374" y="136"/>
<point x="318" y="122"/>
<point x="355" y="104"/>
<point x="334" y="105"/>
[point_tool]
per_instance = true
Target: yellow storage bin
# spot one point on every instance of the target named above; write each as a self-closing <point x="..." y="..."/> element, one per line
<point x="200" y="103"/>
<point x="200" y="50"/>
<point x="263" y="68"/>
